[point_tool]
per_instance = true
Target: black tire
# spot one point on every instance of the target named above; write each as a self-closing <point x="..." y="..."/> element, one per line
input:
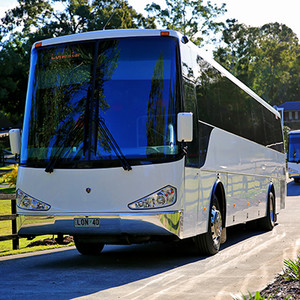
<point x="209" y="242"/>
<point x="268" y="222"/>
<point x="85" y="247"/>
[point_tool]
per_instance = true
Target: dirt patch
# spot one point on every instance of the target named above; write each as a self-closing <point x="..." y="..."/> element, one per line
<point x="47" y="242"/>
<point x="282" y="289"/>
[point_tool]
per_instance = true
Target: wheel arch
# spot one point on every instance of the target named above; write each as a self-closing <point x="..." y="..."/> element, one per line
<point x="219" y="191"/>
<point x="267" y="223"/>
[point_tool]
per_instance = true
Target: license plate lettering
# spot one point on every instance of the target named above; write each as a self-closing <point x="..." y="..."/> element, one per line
<point x="87" y="222"/>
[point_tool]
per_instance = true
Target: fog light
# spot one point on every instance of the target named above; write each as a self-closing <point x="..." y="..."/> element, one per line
<point x="162" y="198"/>
<point x="25" y="201"/>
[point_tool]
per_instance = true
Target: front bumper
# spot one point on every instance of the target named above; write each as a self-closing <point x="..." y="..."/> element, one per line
<point x="135" y="224"/>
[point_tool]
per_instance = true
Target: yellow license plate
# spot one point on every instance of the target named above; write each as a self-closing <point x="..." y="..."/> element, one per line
<point x="87" y="222"/>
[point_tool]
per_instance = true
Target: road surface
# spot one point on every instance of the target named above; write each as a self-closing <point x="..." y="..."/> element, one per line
<point x="247" y="262"/>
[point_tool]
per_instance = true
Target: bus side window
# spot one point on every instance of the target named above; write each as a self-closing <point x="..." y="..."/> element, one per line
<point x="190" y="106"/>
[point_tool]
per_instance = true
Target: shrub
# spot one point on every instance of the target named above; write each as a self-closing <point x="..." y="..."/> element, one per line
<point x="257" y="296"/>
<point x="11" y="177"/>
<point x="292" y="269"/>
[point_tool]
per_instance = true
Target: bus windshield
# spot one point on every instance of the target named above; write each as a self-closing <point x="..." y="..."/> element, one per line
<point x="294" y="148"/>
<point x="129" y="86"/>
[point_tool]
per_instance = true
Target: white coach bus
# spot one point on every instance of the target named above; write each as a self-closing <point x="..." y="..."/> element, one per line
<point x="294" y="155"/>
<point x="132" y="136"/>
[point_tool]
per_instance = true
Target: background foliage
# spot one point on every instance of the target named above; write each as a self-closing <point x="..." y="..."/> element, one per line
<point x="266" y="58"/>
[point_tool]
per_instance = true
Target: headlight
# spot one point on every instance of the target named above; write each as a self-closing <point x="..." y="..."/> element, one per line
<point x="162" y="198"/>
<point x="25" y="201"/>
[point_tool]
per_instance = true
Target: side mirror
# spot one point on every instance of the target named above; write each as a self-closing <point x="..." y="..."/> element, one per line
<point x="15" y="141"/>
<point x="185" y="127"/>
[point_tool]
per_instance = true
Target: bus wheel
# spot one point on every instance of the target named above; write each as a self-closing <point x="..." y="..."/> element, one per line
<point x="268" y="222"/>
<point x="88" y="248"/>
<point x="209" y="242"/>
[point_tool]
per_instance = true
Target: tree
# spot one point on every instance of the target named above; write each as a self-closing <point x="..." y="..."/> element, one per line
<point x="72" y="19"/>
<point x="13" y="79"/>
<point x="191" y="18"/>
<point x="113" y="14"/>
<point x="266" y="58"/>
<point x="28" y="15"/>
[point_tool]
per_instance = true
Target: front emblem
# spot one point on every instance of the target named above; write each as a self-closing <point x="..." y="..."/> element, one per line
<point x="88" y="190"/>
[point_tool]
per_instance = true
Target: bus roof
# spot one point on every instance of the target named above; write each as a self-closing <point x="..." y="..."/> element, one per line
<point x="103" y="34"/>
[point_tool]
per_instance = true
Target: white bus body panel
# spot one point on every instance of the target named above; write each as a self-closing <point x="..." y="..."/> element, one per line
<point x="245" y="169"/>
<point x="111" y="190"/>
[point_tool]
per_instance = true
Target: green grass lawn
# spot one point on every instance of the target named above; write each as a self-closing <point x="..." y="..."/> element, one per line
<point x="5" y="209"/>
<point x="6" y="168"/>
<point x="6" y="247"/>
<point x="8" y="190"/>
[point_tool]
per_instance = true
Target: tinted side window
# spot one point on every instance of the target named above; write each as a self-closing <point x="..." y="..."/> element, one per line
<point x="273" y="131"/>
<point x="223" y="104"/>
<point x="257" y="126"/>
<point x="190" y="106"/>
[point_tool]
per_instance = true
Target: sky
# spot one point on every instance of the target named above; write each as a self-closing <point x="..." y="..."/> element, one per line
<point x="249" y="12"/>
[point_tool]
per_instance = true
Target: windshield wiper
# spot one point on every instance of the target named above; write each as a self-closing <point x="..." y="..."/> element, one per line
<point x="113" y="145"/>
<point x="72" y="134"/>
